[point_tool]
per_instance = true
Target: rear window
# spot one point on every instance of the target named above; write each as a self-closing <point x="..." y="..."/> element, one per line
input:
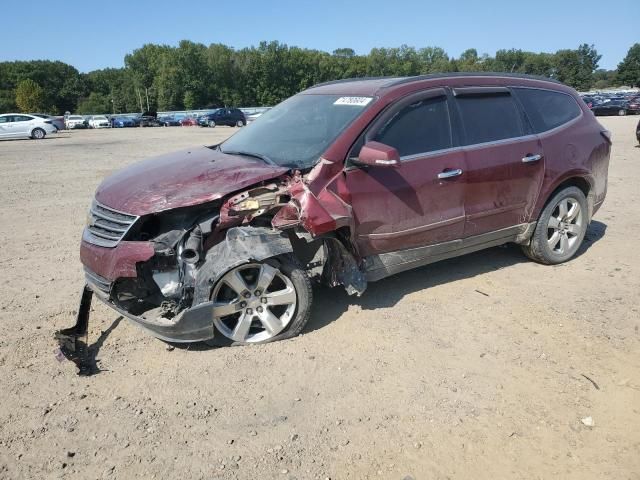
<point x="488" y="118"/>
<point x="547" y="109"/>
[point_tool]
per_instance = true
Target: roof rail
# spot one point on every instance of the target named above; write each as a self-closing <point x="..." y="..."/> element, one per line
<point x="402" y="80"/>
<point x="393" y="81"/>
<point x="355" y="79"/>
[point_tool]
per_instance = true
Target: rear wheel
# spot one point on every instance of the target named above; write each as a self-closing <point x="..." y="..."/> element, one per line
<point x="38" y="133"/>
<point x="261" y="302"/>
<point x="622" y="112"/>
<point x="212" y="123"/>
<point x="239" y="123"/>
<point x="560" y="228"/>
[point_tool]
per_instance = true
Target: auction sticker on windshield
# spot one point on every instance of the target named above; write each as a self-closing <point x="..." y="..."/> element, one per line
<point x="357" y="101"/>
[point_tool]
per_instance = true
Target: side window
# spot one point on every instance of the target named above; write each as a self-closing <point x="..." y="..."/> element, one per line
<point x="488" y="118"/>
<point x="21" y="118"/>
<point x="547" y="109"/>
<point x="5" y="119"/>
<point x="420" y="127"/>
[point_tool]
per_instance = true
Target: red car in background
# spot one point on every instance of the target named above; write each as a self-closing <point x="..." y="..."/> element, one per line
<point x="347" y="182"/>
<point x="189" y="122"/>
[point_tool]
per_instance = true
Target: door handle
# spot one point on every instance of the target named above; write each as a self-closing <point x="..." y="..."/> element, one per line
<point x="450" y="173"/>
<point x="531" y="158"/>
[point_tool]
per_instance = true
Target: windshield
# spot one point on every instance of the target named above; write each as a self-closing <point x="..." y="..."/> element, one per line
<point x="296" y="132"/>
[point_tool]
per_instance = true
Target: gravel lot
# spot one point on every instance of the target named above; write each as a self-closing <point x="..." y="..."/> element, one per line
<point x="471" y="368"/>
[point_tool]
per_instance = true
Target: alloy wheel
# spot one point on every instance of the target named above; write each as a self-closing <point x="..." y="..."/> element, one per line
<point x="253" y="303"/>
<point x="565" y="226"/>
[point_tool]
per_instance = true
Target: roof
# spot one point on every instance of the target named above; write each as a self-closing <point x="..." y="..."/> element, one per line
<point x="373" y="85"/>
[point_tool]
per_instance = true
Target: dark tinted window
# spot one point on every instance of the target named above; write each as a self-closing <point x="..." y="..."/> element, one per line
<point x="547" y="109"/>
<point x="487" y="118"/>
<point x="21" y="118"/>
<point x="418" y="128"/>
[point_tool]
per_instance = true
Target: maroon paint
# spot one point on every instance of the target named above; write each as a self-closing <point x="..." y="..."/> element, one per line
<point x="385" y="208"/>
<point x="181" y="179"/>
<point x="117" y="262"/>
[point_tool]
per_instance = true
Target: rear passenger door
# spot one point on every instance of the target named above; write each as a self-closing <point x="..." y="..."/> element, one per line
<point x="504" y="159"/>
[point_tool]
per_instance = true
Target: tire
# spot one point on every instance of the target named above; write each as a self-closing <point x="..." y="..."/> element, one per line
<point x="38" y="134"/>
<point x="212" y="124"/>
<point x="286" y="266"/>
<point x="622" y="112"/>
<point x="239" y="123"/>
<point x="558" y="236"/>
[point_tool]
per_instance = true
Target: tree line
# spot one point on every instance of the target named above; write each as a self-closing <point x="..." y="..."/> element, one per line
<point x="193" y="75"/>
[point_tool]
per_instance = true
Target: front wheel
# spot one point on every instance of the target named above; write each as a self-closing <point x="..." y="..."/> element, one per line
<point x="212" y="123"/>
<point x="239" y="123"/>
<point x="38" y="133"/>
<point x="261" y="302"/>
<point x="560" y="228"/>
<point x="622" y="112"/>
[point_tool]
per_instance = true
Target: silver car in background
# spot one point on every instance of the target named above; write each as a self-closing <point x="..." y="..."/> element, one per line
<point x="21" y="125"/>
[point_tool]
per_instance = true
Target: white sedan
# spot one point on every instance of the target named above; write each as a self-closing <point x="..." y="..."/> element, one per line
<point x="76" y="121"/>
<point x="21" y="125"/>
<point x="99" y="121"/>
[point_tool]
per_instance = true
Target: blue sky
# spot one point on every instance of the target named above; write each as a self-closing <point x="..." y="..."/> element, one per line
<point x="91" y="35"/>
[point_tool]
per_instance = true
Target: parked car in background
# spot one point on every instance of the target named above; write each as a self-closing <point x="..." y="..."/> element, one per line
<point x="589" y="101"/>
<point x="169" y="121"/>
<point x="99" y="121"/>
<point x="21" y="125"/>
<point x="633" y="106"/>
<point x="150" y="119"/>
<point x="57" y="122"/>
<point x="612" y="107"/>
<point x="347" y="182"/>
<point x="76" y="121"/>
<point x="231" y="117"/>
<point x="122" y="122"/>
<point x="189" y="122"/>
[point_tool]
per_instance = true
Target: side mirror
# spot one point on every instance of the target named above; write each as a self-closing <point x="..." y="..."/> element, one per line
<point x="376" y="154"/>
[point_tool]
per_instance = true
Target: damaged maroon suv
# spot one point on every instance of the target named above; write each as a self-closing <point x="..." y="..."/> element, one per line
<point x="346" y="183"/>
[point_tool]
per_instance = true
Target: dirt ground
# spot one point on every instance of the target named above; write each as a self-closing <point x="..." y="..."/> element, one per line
<point x="471" y="368"/>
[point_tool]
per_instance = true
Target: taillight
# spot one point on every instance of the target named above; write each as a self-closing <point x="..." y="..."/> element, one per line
<point x="607" y="135"/>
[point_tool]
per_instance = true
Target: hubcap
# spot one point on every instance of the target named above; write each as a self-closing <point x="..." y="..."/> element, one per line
<point x="253" y="303"/>
<point x="565" y="226"/>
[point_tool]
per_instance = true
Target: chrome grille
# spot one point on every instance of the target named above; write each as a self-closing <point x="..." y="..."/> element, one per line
<point x="106" y="226"/>
<point x="97" y="281"/>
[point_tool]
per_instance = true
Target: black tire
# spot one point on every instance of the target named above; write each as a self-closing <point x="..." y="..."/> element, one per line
<point x="292" y="269"/>
<point x="38" y="134"/>
<point x="212" y="124"/>
<point x="538" y="248"/>
<point x="622" y="112"/>
<point x="239" y="123"/>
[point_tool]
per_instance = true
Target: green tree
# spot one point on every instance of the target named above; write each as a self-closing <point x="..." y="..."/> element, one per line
<point x="29" y="96"/>
<point x="95" y="103"/>
<point x="629" y="69"/>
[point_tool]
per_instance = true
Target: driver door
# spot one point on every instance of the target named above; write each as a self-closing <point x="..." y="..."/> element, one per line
<point x="421" y="202"/>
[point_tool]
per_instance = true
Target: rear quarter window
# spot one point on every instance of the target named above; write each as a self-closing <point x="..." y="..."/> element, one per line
<point x="547" y="109"/>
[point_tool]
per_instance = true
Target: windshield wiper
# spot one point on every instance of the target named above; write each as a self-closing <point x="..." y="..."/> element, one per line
<point x="264" y="158"/>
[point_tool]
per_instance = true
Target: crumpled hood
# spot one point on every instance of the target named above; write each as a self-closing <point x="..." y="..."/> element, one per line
<point x="180" y="179"/>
